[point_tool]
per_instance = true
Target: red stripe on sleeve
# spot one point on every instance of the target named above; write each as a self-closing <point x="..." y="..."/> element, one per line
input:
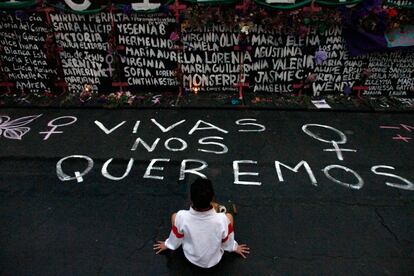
<point x="176" y="233"/>
<point x="228" y="233"/>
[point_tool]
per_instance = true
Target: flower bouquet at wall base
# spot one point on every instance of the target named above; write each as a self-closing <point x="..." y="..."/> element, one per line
<point x="120" y="98"/>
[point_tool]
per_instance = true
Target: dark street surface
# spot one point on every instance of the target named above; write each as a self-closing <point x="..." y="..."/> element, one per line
<point x="351" y="212"/>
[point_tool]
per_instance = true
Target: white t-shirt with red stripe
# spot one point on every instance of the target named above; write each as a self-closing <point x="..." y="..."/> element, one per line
<point x="203" y="235"/>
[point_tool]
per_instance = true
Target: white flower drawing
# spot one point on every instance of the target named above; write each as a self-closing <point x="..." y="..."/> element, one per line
<point x="15" y="129"/>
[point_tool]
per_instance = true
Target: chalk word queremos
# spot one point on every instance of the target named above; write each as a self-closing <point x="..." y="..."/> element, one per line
<point x="198" y="167"/>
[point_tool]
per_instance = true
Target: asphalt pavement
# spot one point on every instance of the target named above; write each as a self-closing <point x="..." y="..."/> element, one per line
<point x="88" y="191"/>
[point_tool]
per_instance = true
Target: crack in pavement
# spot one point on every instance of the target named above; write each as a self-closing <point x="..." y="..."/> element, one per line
<point x="382" y="222"/>
<point x="100" y="268"/>
<point x="152" y="238"/>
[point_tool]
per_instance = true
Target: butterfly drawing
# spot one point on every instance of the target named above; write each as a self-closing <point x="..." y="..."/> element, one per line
<point x="15" y="129"/>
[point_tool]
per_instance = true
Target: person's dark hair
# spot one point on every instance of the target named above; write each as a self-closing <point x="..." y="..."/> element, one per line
<point x="201" y="193"/>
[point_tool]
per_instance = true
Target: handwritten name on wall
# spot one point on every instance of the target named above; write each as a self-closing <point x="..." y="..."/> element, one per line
<point x="281" y="61"/>
<point x="24" y="58"/>
<point x="212" y="61"/>
<point x="141" y="51"/>
<point x="85" y="48"/>
<point x="147" y="53"/>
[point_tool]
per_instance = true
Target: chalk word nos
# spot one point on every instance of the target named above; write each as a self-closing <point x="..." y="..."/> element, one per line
<point x="176" y="144"/>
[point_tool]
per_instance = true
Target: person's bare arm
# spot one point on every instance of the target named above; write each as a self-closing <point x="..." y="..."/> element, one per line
<point x="242" y="250"/>
<point x="174" y="240"/>
<point x="159" y="247"/>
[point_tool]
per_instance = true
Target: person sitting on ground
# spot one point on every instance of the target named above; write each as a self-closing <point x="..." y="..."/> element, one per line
<point x="203" y="233"/>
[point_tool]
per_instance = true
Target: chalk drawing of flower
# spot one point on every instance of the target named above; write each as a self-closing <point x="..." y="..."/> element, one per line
<point x="15" y="129"/>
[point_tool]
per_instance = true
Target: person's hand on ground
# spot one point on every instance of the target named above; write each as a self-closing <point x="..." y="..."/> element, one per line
<point x="159" y="247"/>
<point x="242" y="250"/>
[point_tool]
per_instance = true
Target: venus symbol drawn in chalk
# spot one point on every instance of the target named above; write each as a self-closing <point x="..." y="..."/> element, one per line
<point x="15" y="129"/>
